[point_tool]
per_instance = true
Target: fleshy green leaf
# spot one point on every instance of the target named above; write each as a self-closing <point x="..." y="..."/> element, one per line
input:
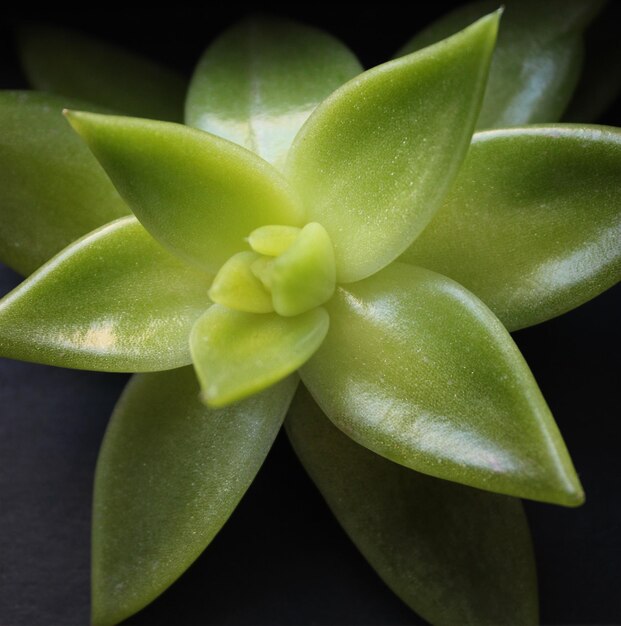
<point x="259" y="82"/>
<point x="237" y="354"/>
<point x="170" y="473"/>
<point x="71" y="64"/>
<point x="533" y="223"/>
<point x="199" y="195"/>
<point x="419" y="370"/>
<point x="52" y="190"/>
<point x="455" y="555"/>
<point x="115" y="301"/>
<point x="303" y="276"/>
<point x="374" y="160"/>
<point x="600" y="80"/>
<point x="537" y="59"/>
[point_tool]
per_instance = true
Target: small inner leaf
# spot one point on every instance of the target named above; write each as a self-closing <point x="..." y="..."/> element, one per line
<point x="237" y="354"/>
<point x="273" y="240"/>
<point x="236" y="286"/>
<point x="305" y="275"/>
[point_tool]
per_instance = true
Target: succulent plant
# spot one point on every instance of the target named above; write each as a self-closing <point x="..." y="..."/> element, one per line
<point x="310" y="217"/>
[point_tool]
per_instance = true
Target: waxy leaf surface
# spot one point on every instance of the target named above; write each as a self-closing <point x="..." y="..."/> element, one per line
<point x="374" y="160"/>
<point x="196" y="193"/>
<point x="237" y="354"/>
<point x="170" y="473"/>
<point x="258" y="83"/>
<point x="114" y="300"/>
<point x="72" y="64"/>
<point x="533" y="223"/>
<point x="454" y="554"/>
<point x="52" y="190"/>
<point x="419" y="370"/>
<point x="537" y="58"/>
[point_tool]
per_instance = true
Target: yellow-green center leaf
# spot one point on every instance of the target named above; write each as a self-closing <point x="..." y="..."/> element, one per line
<point x="533" y="223"/>
<point x="374" y="160"/>
<point x="196" y="193"/>
<point x="537" y="58"/>
<point x="419" y="370"/>
<point x="304" y="276"/>
<point x="455" y="555"/>
<point x="170" y="472"/>
<point x="72" y="64"/>
<point x="52" y="190"/>
<point x="114" y="300"/>
<point x="237" y="354"/>
<point x="237" y="287"/>
<point x="258" y="83"/>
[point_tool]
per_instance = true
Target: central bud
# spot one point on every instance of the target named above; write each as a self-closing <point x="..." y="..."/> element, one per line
<point x="288" y="270"/>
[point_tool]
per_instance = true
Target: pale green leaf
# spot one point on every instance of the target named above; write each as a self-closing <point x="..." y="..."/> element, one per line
<point x="115" y="300"/>
<point x="303" y="276"/>
<point x="52" y="190"/>
<point x="68" y="63"/>
<point x="454" y="554"/>
<point x="237" y="354"/>
<point x="196" y="193"/>
<point x="170" y="472"/>
<point x="374" y="160"/>
<point x="533" y="223"/>
<point x="537" y="60"/>
<point x="259" y="81"/>
<point x="419" y="370"/>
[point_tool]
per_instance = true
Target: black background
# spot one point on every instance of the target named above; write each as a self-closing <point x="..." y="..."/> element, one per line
<point x="282" y="559"/>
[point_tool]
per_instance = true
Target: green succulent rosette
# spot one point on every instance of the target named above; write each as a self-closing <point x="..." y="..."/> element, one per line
<point x="315" y="222"/>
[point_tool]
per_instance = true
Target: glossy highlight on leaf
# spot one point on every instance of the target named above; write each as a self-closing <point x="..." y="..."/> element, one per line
<point x="533" y="223"/>
<point x="374" y="160"/>
<point x="197" y="194"/>
<point x="419" y="370"/>
<point x="52" y="190"/>
<point x="115" y="301"/>
<point x="71" y="64"/>
<point x="454" y="554"/>
<point x="170" y="472"/>
<point x="237" y="354"/>
<point x="259" y="81"/>
<point x="536" y="62"/>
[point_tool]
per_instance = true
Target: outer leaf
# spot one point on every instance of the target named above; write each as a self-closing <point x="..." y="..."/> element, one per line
<point x="52" y="190"/>
<point x="455" y="555"/>
<point x="237" y="354"/>
<point x="533" y="223"/>
<point x="71" y="64"/>
<point x="420" y="371"/>
<point x="537" y="58"/>
<point x="170" y="473"/>
<point x="374" y="159"/>
<point x="259" y="82"/>
<point x="114" y="300"/>
<point x="195" y="193"/>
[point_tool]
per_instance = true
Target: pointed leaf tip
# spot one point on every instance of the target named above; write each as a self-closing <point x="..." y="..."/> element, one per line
<point x="374" y="160"/>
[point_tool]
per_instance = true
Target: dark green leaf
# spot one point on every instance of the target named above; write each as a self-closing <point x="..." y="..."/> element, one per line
<point x="52" y="190"/>
<point x="71" y="64"/>
<point x="454" y="554"/>
<point x="169" y="474"/>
